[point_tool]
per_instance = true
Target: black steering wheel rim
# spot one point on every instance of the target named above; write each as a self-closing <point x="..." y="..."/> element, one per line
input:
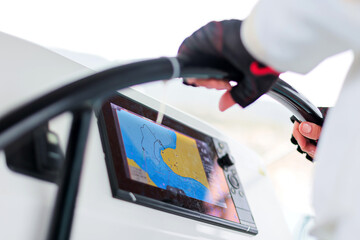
<point x="102" y="84"/>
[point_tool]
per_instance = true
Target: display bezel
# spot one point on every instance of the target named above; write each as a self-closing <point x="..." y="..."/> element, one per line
<point x="123" y="187"/>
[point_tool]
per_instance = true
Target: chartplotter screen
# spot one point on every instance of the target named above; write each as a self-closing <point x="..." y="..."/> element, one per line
<point x="168" y="166"/>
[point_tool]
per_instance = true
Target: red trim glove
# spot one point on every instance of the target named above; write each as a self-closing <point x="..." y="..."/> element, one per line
<point x="218" y="45"/>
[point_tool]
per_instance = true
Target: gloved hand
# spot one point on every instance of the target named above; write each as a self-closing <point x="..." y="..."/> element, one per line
<point x="218" y="45"/>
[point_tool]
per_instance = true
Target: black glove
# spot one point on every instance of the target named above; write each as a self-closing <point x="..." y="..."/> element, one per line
<point x="218" y="45"/>
<point x="324" y="111"/>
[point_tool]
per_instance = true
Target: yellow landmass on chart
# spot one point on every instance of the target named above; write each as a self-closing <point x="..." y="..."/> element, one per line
<point x="134" y="164"/>
<point x="185" y="159"/>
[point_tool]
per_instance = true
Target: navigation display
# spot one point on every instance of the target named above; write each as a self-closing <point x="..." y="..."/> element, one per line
<point x="171" y="166"/>
<point x="164" y="158"/>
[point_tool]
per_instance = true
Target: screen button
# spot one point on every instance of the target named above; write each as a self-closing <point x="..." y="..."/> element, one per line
<point x="233" y="181"/>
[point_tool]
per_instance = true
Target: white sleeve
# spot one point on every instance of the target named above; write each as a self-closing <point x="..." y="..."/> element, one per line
<point x="296" y="35"/>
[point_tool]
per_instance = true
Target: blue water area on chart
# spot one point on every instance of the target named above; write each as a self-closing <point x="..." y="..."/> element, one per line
<point x="144" y="140"/>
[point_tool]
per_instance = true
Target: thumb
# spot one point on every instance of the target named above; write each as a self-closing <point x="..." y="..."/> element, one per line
<point x="226" y="101"/>
<point x="310" y="130"/>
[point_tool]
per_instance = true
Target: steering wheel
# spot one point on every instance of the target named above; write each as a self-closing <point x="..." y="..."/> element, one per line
<point x="79" y="98"/>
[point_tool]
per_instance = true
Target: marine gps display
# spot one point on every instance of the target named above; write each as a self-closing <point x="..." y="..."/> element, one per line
<point x="171" y="167"/>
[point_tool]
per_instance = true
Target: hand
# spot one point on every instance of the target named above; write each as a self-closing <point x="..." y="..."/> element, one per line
<point x="218" y="45"/>
<point x="305" y="131"/>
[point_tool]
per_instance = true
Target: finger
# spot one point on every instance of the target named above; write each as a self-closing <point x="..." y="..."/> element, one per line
<point x="226" y="101"/>
<point x="303" y="142"/>
<point x="191" y="80"/>
<point x="298" y="136"/>
<point x="222" y="85"/>
<point x="216" y="84"/>
<point x="210" y="83"/>
<point x="309" y="149"/>
<point x="310" y="130"/>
